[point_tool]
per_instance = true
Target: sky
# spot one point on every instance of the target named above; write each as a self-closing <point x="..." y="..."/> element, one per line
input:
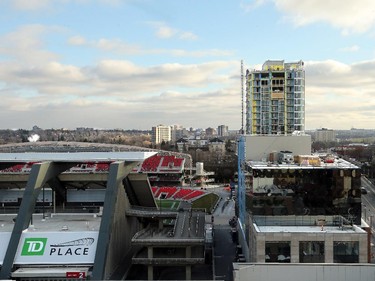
<point x="134" y="64"/>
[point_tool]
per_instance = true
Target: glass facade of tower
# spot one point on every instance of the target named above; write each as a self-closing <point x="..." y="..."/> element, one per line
<point x="275" y="99"/>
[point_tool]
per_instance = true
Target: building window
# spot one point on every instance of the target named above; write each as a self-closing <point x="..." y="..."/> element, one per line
<point x="278" y="251"/>
<point x="311" y="251"/>
<point x="346" y="252"/>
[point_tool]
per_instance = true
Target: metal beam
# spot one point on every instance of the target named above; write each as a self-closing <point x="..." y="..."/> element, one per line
<point x="57" y="186"/>
<point x="117" y="172"/>
<point x="39" y="175"/>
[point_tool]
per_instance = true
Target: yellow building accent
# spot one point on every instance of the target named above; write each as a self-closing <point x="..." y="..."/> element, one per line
<point x="274" y="67"/>
<point x="277" y="95"/>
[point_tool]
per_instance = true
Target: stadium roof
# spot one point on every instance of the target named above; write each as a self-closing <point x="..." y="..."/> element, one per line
<point x="75" y="157"/>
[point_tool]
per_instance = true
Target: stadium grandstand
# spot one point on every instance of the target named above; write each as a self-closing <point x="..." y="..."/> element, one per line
<point x="177" y="193"/>
<point x="163" y="168"/>
<point x="72" y="212"/>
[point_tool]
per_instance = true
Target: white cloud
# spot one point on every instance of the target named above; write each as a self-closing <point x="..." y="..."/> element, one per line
<point x="77" y="40"/>
<point x="249" y="5"/>
<point x="188" y="36"/>
<point x="26" y="46"/>
<point x="347" y="15"/>
<point x="353" y="48"/>
<point x="30" y="5"/>
<point x="163" y="31"/>
<point x="125" y="78"/>
<point x="42" y="5"/>
<point x="121" y="47"/>
<point x="340" y="95"/>
<point x="116" y="89"/>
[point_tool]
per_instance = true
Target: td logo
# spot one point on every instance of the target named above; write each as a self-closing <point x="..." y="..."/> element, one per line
<point x="34" y="246"/>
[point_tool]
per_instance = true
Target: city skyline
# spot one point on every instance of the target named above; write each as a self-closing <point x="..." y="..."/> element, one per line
<point x="134" y="64"/>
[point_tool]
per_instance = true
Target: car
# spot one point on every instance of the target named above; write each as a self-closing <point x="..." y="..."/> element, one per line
<point x="363" y="190"/>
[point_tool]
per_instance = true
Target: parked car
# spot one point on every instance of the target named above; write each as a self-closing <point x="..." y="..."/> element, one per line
<point x="363" y="190"/>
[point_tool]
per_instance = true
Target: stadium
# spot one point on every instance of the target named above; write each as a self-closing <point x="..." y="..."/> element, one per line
<point x="101" y="212"/>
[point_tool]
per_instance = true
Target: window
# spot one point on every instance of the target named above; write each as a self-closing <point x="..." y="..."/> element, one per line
<point x="346" y="252"/>
<point x="278" y="251"/>
<point x="311" y="252"/>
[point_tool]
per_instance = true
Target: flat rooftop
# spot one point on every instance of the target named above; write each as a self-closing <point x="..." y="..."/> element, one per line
<point x="336" y="164"/>
<point x="188" y="229"/>
<point x="78" y="157"/>
<point x="309" y="229"/>
<point x="304" y="224"/>
<point x="66" y="222"/>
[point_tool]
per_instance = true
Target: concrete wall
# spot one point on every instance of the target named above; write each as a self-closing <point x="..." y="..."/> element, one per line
<point x="259" y="147"/>
<point x="257" y="242"/>
<point x="303" y="272"/>
<point x="123" y="229"/>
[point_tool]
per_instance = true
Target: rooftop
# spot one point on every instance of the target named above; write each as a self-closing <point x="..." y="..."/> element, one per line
<point x="57" y="222"/>
<point x="305" y="224"/>
<point x="302" y="162"/>
<point x="74" y="156"/>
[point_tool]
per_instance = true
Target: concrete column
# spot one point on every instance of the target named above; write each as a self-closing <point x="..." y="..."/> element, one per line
<point x="188" y="272"/>
<point x="328" y="249"/>
<point x="188" y="267"/>
<point x="160" y="223"/>
<point x="294" y="251"/>
<point x="150" y="272"/>
<point x="363" y="249"/>
<point x="150" y="268"/>
<point x="40" y="174"/>
<point x="188" y="252"/>
<point x="117" y="172"/>
<point x="150" y="251"/>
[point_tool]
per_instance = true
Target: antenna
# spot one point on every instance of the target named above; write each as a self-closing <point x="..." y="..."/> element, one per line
<point x="242" y="98"/>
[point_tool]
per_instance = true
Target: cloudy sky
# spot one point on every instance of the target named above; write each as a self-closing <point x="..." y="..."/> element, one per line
<point x="133" y="64"/>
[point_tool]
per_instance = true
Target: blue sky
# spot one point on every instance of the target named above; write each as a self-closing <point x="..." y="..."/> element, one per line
<point x="135" y="64"/>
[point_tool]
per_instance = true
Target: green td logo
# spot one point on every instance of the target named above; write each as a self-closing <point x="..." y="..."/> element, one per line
<point x="34" y="246"/>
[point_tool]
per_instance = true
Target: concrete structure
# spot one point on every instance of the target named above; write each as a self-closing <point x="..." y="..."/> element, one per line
<point x="31" y="242"/>
<point x="306" y="239"/>
<point x="216" y="145"/>
<point x="210" y="132"/>
<point x="304" y="212"/>
<point x="310" y="185"/>
<point x="298" y="208"/>
<point x="275" y="98"/>
<point x="161" y="133"/>
<point x="325" y="135"/>
<point x="222" y="131"/>
<point x="305" y="272"/>
<point x="93" y="236"/>
<point x="260" y="148"/>
<point x="181" y="244"/>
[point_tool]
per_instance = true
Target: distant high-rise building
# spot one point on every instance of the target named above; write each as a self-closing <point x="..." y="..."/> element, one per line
<point x="161" y="133"/>
<point x="210" y="131"/>
<point x="275" y="98"/>
<point x="222" y="131"/>
<point x="325" y="135"/>
<point x="177" y="132"/>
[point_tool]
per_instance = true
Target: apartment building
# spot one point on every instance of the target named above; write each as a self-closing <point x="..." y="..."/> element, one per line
<point x="275" y="98"/>
<point x="325" y="135"/>
<point x="161" y="133"/>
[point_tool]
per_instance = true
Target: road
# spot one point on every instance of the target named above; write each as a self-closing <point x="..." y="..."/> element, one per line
<point x="368" y="209"/>
<point x="368" y="202"/>
<point x="224" y="247"/>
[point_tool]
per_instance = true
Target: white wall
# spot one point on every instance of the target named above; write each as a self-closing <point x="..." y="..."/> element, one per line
<point x="303" y="272"/>
<point x="259" y="147"/>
